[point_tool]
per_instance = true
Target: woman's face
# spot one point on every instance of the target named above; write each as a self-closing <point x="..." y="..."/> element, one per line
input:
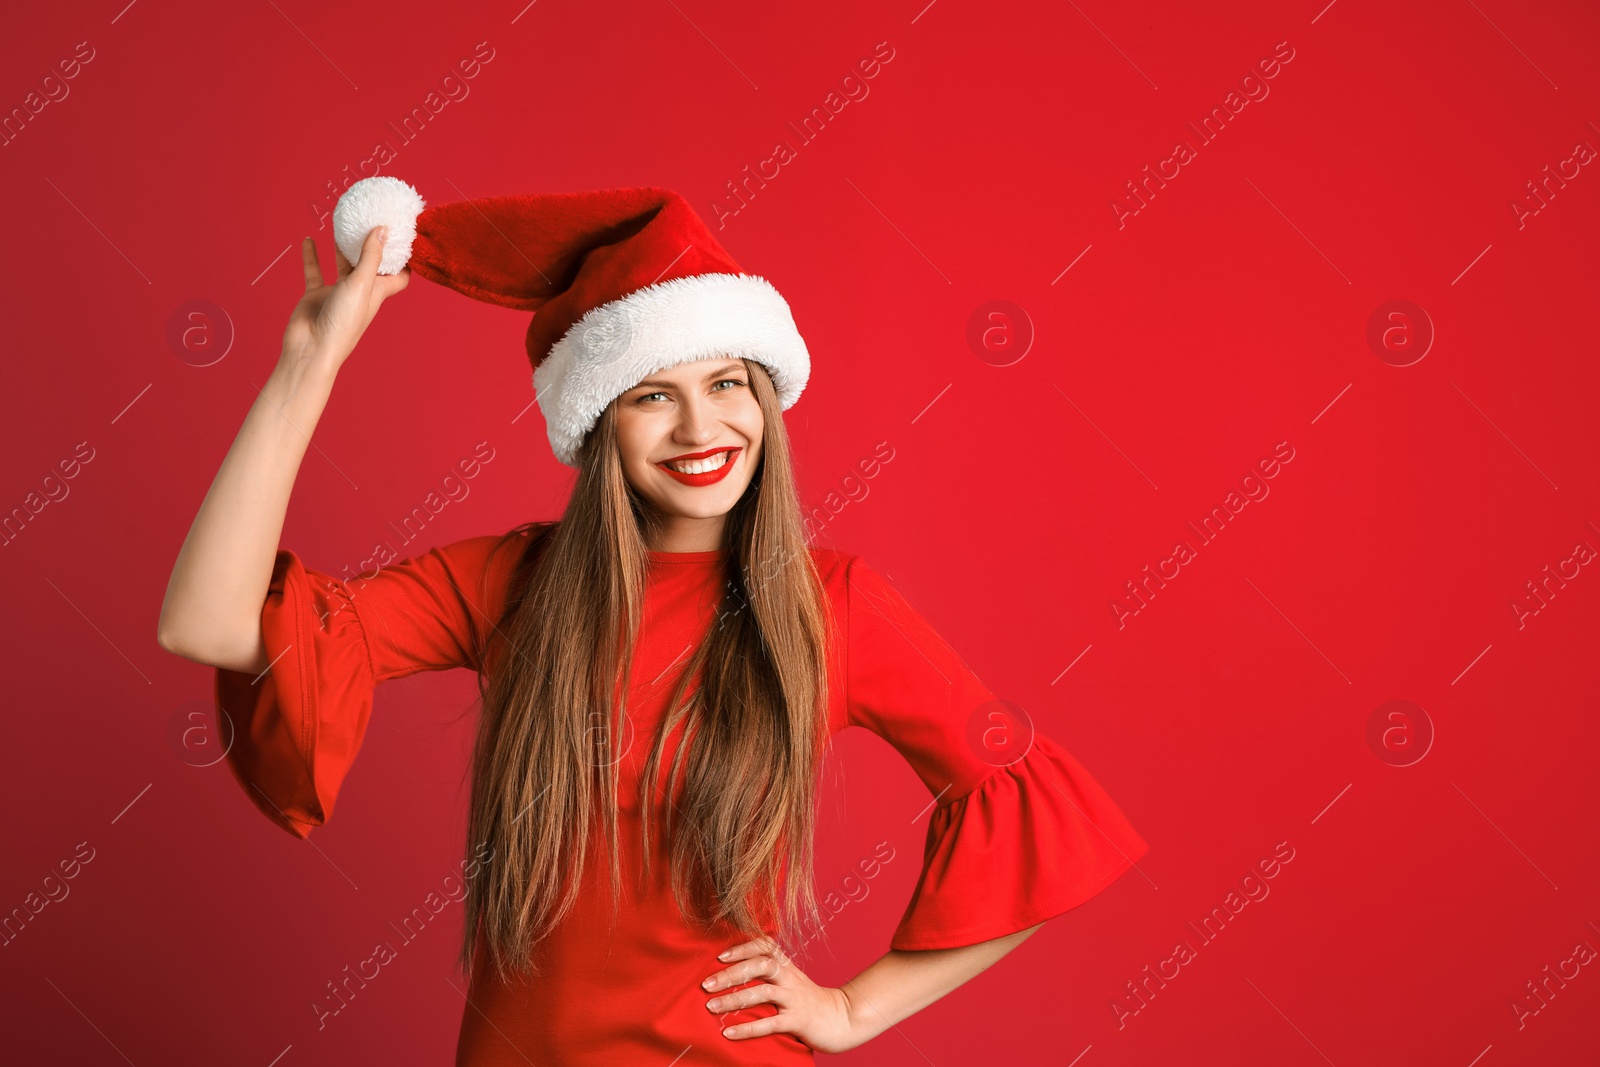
<point x="703" y="409"/>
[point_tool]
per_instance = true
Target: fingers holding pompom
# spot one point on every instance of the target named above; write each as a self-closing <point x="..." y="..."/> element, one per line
<point x="373" y="202"/>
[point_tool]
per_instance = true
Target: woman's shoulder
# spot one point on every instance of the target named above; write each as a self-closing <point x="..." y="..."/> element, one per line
<point x="838" y="566"/>
<point x="834" y="567"/>
<point x="854" y="583"/>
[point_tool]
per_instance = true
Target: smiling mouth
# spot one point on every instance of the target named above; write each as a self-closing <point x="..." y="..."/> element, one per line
<point x="700" y="463"/>
<point x="701" y="467"/>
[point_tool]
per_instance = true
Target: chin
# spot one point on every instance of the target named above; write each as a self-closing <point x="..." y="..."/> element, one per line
<point x="700" y="504"/>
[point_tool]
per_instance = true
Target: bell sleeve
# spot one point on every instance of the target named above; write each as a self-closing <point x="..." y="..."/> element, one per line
<point x="297" y="726"/>
<point x="1019" y="831"/>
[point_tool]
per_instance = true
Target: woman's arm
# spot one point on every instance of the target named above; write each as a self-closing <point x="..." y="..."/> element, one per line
<point x="212" y="609"/>
<point x="898" y="985"/>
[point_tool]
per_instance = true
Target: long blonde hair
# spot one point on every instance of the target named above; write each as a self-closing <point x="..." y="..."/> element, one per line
<point x="740" y="841"/>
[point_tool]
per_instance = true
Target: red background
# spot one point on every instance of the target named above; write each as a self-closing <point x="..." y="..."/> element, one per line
<point x="1226" y="316"/>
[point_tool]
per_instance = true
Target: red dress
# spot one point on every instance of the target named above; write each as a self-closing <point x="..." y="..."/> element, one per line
<point x="1011" y="841"/>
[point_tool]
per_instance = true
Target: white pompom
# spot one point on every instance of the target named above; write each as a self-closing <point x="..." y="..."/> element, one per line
<point x="380" y="201"/>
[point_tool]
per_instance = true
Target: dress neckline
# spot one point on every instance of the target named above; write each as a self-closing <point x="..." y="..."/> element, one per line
<point x="687" y="557"/>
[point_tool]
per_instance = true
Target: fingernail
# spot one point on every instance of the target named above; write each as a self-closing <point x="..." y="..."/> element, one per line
<point x="383" y="232"/>
<point x="725" y="953"/>
<point x="708" y="983"/>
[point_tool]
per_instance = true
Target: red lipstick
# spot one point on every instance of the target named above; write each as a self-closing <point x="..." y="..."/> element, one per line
<point x="706" y="477"/>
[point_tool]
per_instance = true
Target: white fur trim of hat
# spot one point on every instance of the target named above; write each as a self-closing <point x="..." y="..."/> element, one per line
<point x="618" y="344"/>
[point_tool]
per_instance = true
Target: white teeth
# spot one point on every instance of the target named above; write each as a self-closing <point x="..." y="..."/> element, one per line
<point x="700" y="466"/>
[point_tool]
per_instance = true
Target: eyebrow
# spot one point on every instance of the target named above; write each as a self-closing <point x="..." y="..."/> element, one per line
<point x="725" y="368"/>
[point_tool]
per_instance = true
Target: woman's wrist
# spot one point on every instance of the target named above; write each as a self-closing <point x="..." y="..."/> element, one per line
<point x="298" y="389"/>
<point x="863" y="1020"/>
<point x="308" y="366"/>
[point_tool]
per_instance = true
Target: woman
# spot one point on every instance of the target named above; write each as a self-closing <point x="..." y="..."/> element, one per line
<point x="660" y="670"/>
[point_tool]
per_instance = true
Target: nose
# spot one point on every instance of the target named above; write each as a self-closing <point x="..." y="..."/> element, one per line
<point x="696" y="424"/>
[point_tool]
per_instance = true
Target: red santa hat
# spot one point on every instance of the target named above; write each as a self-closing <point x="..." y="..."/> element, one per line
<point x="622" y="283"/>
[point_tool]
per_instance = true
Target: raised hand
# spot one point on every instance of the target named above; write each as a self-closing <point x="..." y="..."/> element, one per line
<point x="330" y="319"/>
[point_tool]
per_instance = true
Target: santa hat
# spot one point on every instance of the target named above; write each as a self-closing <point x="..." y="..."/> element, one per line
<point x="622" y="283"/>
